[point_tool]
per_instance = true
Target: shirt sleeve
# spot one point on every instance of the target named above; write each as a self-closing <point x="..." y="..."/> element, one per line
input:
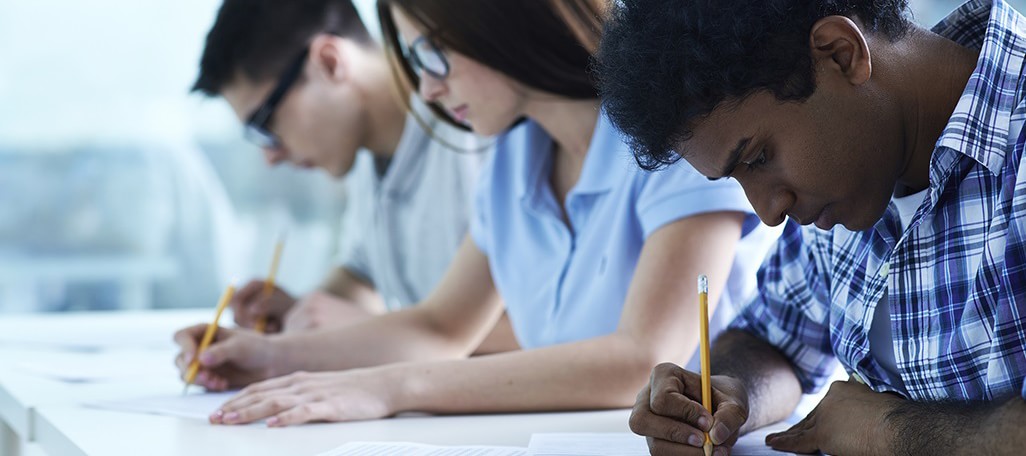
<point x="680" y="191"/>
<point x="791" y="308"/>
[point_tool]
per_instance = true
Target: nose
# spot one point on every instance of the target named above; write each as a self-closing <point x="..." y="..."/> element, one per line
<point x="430" y="87"/>
<point x="770" y="204"/>
<point x="274" y="155"/>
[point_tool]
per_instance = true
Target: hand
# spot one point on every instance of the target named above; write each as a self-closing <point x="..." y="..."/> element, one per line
<point x="250" y="304"/>
<point x="320" y="309"/>
<point x="669" y="412"/>
<point x="234" y="359"/>
<point x="304" y="397"/>
<point x="850" y="420"/>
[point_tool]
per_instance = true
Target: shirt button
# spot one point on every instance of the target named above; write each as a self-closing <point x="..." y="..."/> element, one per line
<point x="885" y="269"/>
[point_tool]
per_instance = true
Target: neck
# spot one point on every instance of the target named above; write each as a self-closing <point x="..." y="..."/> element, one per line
<point x="571" y="123"/>
<point x="386" y="115"/>
<point x="937" y="71"/>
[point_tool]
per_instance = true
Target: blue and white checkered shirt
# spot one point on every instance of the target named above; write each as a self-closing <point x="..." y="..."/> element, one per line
<point x="955" y="278"/>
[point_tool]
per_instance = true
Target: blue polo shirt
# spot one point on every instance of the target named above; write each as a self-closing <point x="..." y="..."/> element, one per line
<point x="563" y="283"/>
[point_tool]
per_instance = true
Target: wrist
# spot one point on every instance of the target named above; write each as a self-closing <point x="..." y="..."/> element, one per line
<point x="276" y="348"/>
<point x="401" y="388"/>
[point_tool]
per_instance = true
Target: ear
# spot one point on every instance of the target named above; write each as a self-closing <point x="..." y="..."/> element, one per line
<point x="838" y="43"/>
<point x="328" y="57"/>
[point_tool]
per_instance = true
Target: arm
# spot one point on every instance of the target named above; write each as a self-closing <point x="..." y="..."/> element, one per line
<point x="448" y="324"/>
<point x="958" y="428"/>
<point x="657" y="324"/>
<point x="343" y="283"/>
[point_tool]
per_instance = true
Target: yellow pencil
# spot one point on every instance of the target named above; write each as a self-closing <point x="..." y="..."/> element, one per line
<point x="261" y="324"/>
<point x="208" y="337"/>
<point x="703" y="310"/>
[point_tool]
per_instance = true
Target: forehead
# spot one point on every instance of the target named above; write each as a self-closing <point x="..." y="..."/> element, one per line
<point x="718" y="134"/>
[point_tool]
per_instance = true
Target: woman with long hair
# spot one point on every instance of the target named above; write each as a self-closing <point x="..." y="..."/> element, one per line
<point x="594" y="260"/>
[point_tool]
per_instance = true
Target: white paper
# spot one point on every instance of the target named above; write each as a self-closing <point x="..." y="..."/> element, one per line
<point x="627" y="444"/>
<point x="198" y="406"/>
<point x="419" y="449"/>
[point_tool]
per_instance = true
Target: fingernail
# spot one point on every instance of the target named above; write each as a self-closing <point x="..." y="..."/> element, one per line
<point x="719" y="433"/>
<point x="696" y="441"/>
<point x="202" y="377"/>
<point x="187" y="358"/>
<point x="703" y="423"/>
<point x="272" y="421"/>
<point x="720" y="452"/>
<point x="231" y="417"/>
<point x="206" y="358"/>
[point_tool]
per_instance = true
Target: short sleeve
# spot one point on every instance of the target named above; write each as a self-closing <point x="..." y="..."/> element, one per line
<point x="791" y="308"/>
<point x="680" y="191"/>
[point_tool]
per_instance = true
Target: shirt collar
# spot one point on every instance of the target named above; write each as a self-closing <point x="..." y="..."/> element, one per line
<point x="601" y="166"/>
<point x="978" y="128"/>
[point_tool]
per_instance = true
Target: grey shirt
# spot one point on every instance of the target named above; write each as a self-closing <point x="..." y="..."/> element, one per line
<point x="407" y="216"/>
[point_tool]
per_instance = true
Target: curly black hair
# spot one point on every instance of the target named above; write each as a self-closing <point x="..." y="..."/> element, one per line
<point x="664" y="64"/>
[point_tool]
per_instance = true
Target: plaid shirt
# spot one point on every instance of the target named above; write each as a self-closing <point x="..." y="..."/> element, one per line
<point x="956" y="276"/>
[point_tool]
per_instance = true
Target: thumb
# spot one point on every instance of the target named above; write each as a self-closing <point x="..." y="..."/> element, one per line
<point x="727" y="421"/>
<point x="226" y="351"/>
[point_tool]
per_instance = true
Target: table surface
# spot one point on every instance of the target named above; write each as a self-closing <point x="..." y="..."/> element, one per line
<point x="49" y="413"/>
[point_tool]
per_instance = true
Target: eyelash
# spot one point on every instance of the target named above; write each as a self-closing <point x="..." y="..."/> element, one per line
<point x="759" y="161"/>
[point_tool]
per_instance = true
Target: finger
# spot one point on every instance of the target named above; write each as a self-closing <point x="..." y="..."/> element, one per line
<point x="644" y="422"/>
<point x="304" y="413"/>
<point x="188" y="338"/>
<point x="657" y="447"/>
<point x="260" y="410"/>
<point x="242" y="302"/>
<point x="800" y="441"/>
<point x="728" y="418"/>
<point x="225" y="348"/>
<point x="671" y="377"/>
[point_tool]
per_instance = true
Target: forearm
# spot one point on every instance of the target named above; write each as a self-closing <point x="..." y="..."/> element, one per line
<point x="773" y="388"/>
<point x="599" y="373"/>
<point x="406" y="335"/>
<point x="346" y="285"/>
<point x="959" y="428"/>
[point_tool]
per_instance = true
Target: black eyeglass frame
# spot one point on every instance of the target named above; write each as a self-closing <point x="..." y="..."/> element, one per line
<point x="417" y="63"/>
<point x="256" y="128"/>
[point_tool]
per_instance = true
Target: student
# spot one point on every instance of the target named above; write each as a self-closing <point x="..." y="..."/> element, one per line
<point x="313" y="88"/>
<point x="595" y="260"/>
<point x="845" y="113"/>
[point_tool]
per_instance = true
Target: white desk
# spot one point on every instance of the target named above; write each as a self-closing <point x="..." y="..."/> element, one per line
<point x="39" y="337"/>
<point x="46" y="415"/>
<point x="73" y="431"/>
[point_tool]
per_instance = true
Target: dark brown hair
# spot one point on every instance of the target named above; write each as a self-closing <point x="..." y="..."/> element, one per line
<point x="258" y="38"/>
<point x="543" y="44"/>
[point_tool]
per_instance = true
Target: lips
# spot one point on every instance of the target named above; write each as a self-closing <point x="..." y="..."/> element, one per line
<point x="459" y="113"/>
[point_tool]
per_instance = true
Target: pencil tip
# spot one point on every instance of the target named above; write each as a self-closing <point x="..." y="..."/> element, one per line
<point x="708" y="448"/>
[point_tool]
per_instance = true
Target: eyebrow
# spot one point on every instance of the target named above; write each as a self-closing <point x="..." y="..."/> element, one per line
<point x="735" y="159"/>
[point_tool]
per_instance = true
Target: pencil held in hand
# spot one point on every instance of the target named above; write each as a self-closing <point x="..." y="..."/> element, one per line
<point x="208" y="337"/>
<point x="703" y="323"/>
<point x="261" y="324"/>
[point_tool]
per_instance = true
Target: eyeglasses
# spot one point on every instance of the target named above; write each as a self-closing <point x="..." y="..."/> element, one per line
<point x="257" y="128"/>
<point x="425" y="57"/>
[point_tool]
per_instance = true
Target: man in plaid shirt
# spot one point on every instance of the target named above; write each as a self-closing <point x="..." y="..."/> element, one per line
<point x="845" y="113"/>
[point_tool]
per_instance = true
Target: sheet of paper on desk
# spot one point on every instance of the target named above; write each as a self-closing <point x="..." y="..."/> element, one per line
<point x="627" y="444"/>
<point x="419" y="449"/>
<point x="198" y="406"/>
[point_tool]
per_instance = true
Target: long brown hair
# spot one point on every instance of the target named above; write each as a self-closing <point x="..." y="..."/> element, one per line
<point x="544" y="44"/>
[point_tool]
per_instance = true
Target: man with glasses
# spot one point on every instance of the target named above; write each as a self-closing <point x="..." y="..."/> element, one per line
<point x="313" y="89"/>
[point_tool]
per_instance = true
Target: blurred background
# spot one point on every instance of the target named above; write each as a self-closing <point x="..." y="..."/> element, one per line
<point x="119" y="189"/>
